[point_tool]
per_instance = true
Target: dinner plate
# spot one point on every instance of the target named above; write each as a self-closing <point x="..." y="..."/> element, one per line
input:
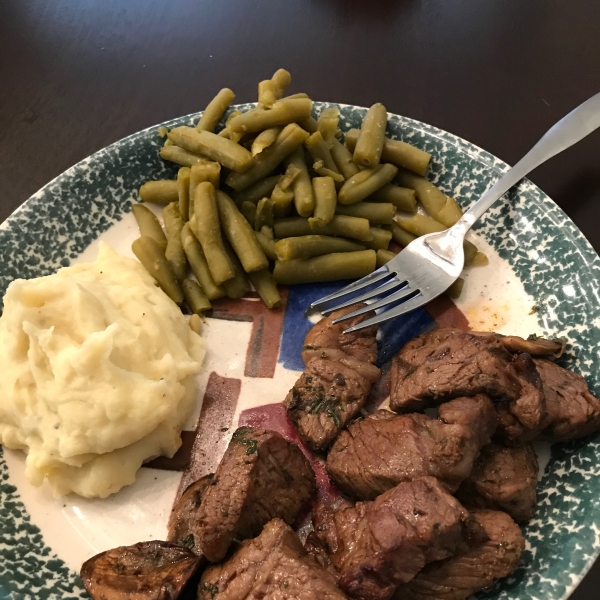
<point x="542" y="278"/>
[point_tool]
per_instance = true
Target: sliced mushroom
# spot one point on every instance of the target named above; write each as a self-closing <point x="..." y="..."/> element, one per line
<point x="534" y="345"/>
<point x="146" y="571"/>
<point x="185" y="513"/>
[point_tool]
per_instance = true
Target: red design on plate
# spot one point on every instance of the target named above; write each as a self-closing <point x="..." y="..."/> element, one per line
<point x="267" y="324"/>
<point x="214" y="428"/>
<point x="446" y="313"/>
<point x="275" y="418"/>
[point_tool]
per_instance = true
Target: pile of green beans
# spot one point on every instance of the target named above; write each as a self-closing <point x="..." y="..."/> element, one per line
<point x="275" y="196"/>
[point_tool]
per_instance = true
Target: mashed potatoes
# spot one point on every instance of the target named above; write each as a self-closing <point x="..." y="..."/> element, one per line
<point x="98" y="370"/>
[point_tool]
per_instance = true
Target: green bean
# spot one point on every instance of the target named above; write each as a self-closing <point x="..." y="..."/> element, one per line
<point x="330" y="267"/>
<point x="194" y="296"/>
<point x="401" y="236"/>
<point x="365" y="183"/>
<point x="282" y="80"/>
<point x="248" y="209"/>
<point x="179" y="155"/>
<point x="325" y="201"/>
<point x="471" y="252"/>
<point x="325" y="172"/>
<point x="261" y="189"/>
<point x="195" y="323"/>
<point x="309" y="124"/>
<point x="378" y="213"/>
<point x="431" y="197"/>
<point x="163" y="191"/>
<point x="291" y="138"/>
<point x="215" y="110"/>
<point x="266" y="93"/>
<point x="268" y="231"/>
<point x="207" y="228"/>
<point x="204" y="171"/>
<point x="307" y="246"/>
<point x="455" y="290"/>
<point x="369" y="145"/>
<point x="343" y="159"/>
<point x="304" y="199"/>
<point x="225" y="132"/>
<point x="396" y="152"/>
<point x="149" y="225"/>
<point x="327" y="124"/>
<point x="287" y="179"/>
<point x="422" y="225"/>
<point x="230" y="154"/>
<point x="183" y="191"/>
<point x="240" y="235"/>
<point x="319" y="150"/>
<point x="350" y="227"/>
<point x="272" y="89"/>
<point x="294" y="96"/>
<point x="195" y="255"/>
<point x="265" y="286"/>
<point x="264" y="139"/>
<point x="267" y="244"/>
<point x="450" y="213"/>
<point x="238" y="285"/>
<point x="402" y="198"/>
<point x="383" y="257"/>
<point x="381" y="239"/>
<point x="480" y="259"/>
<point x="264" y="214"/>
<point x="282" y="201"/>
<point x="152" y="257"/>
<point x="283" y="112"/>
<point x="174" y="251"/>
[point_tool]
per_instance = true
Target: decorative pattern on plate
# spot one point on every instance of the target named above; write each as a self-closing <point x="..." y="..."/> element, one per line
<point x="552" y="258"/>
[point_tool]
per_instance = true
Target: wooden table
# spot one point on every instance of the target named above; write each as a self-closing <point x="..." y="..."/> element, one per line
<point x="76" y="76"/>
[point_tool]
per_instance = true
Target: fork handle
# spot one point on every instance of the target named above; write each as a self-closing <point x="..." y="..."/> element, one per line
<point x="572" y="128"/>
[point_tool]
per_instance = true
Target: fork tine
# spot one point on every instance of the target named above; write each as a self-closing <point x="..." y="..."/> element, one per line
<point x="374" y="277"/>
<point x="386" y="315"/>
<point x="386" y="287"/>
<point x="406" y="291"/>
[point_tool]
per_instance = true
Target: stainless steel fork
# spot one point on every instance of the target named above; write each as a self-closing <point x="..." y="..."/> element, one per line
<point x="430" y="264"/>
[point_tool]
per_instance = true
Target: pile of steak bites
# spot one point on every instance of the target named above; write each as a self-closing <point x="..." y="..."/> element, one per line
<point x="429" y="506"/>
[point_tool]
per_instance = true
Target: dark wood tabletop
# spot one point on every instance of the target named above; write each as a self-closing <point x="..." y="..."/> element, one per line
<point x="77" y="76"/>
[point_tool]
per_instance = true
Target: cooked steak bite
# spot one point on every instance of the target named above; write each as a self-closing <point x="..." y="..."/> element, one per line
<point x="375" y="546"/>
<point x="324" y="399"/>
<point x="378" y="452"/>
<point x="261" y="476"/>
<point x="272" y="566"/>
<point x="476" y="413"/>
<point x="503" y="479"/>
<point x="360" y="344"/>
<point x="447" y="363"/>
<point x="458" y="577"/>
<point x="366" y="369"/>
<point x="185" y="512"/>
<point x="573" y="412"/>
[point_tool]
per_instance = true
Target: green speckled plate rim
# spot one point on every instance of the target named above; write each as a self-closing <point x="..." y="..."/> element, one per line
<point x="556" y="264"/>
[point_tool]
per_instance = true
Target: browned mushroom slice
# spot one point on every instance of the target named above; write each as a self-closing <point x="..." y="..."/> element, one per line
<point x="185" y="514"/>
<point x="145" y="571"/>
<point x="534" y="345"/>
